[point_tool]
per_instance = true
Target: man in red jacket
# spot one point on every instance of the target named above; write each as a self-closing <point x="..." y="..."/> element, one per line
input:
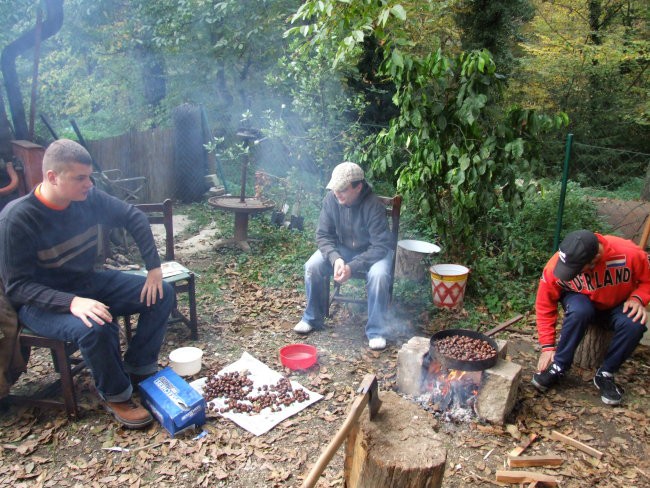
<point x="596" y="278"/>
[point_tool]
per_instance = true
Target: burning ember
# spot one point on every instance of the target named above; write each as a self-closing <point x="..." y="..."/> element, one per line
<point x="450" y="389"/>
<point x="458" y="390"/>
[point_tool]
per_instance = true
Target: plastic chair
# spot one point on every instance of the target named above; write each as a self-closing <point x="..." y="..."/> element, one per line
<point x="393" y="208"/>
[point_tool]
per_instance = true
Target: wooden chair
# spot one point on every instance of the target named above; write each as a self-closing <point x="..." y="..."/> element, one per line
<point x="184" y="282"/>
<point x="65" y="365"/>
<point x="393" y="208"/>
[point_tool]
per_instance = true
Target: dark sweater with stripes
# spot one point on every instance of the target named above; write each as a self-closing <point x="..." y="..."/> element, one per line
<point x="45" y="254"/>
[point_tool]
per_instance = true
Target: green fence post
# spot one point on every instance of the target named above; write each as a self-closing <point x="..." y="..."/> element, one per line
<point x="565" y="177"/>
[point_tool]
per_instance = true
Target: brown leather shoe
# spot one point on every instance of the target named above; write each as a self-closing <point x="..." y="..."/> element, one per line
<point x="129" y="414"/>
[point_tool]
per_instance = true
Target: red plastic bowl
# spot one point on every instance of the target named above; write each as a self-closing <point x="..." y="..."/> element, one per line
<point x="298" y="356"/>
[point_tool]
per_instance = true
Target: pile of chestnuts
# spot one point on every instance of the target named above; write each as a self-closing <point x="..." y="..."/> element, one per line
<point x="465" y="348"/>
<point x="236" y="388"/>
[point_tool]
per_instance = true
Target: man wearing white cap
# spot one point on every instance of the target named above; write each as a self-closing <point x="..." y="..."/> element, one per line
<point x="352" y="236"/>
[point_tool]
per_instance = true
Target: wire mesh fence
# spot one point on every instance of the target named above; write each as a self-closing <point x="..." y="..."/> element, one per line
<point x="618" y="182"/>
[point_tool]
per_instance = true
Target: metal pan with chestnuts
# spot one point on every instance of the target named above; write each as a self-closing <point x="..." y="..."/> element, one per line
<point x="465" y="350"/>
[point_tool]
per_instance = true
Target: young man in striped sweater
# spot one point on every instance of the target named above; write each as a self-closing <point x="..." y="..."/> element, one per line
<point x="48" y="246"/>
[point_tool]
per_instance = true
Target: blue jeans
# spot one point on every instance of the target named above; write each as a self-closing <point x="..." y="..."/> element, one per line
<point x="579" y="313"/>
<point x="318" y="271"/>
<point x="100" y="344"/>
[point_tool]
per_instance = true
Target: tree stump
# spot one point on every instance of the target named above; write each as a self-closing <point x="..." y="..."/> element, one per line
<point x="593" y="347"/>
<point x="410" y="265"/>
<point x="398" y="448"/>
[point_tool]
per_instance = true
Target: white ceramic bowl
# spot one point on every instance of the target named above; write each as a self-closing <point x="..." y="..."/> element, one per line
<point x="186" y="361"/>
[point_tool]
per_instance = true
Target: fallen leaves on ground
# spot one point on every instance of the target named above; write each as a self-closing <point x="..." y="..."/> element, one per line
<point x="43" y="448"/>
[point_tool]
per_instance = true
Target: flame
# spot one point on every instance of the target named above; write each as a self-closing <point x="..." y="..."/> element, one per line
<point x="452" y="387"/>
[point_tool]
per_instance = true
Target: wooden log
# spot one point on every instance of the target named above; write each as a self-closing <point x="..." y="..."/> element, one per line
<point x="532" y="477"/>
<point x="555" y="435"/>
<point x="523" y="446"/>
<point x="593" y="347"/>
<point x="398" y="448"/>
<point x="410" y="265"/>
<point x="530" y="461"/>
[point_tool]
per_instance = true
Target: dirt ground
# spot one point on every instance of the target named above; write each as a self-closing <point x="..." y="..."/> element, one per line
<point x="44" y="448"/>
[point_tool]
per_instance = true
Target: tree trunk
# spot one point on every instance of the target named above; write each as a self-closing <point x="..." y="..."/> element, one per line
<point x="410" y="265"/>
<point x="593" y="347"/>
<point x="398" y="448"/>
<point x="50" y="26"/>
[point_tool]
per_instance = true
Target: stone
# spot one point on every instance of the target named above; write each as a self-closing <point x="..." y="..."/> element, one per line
<point x="498" y="393"/>
<point x="410" y="374"/>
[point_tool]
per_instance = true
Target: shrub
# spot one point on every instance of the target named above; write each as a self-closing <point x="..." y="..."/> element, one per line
<point x="505" y="275"/>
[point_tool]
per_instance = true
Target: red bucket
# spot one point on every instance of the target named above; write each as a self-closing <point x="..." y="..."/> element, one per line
<point x="448" y="284"/>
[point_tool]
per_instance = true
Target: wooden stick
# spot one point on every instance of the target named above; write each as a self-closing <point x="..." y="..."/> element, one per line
<point x="523" y="446"/>
<point x="504" y="325"/>
<point x="528" y="461"/>
<point x="577" y="444"/>
<point x="643" y="240"/>
<point x="525" y="477"/>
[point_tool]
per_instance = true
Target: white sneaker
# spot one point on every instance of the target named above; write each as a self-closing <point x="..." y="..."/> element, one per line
<point x="303" y="327"/>
<point x="377" y="343"/>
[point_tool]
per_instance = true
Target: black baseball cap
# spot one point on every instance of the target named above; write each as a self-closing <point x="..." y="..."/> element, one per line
<point x="577" y="249"/>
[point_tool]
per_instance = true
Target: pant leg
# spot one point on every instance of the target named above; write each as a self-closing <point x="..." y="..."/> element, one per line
<point x="378" y="289"/>
<point x="627" y="335"/>
<point x="317" y="280"/>
<point x="579" y="312"/>
<point x="99" y="346"/>
<point x="121" y="292"/>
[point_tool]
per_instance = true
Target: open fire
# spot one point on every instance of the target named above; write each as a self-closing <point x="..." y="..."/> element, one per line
<point x="449" y="391"/>
<point x="456" y="394"/>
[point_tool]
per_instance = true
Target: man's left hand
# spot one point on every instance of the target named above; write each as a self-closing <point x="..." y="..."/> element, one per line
<point x="152" y="288"/>
<point x="637" y="311"/>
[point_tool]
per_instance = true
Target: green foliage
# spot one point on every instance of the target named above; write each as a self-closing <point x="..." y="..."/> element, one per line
<point x="493" y="25"/>
<point x="326" y="111"/>
<point x="602" y="85"/>
<point x="455" y="155"/>
<point x="278" y="256"/>
<point x="505" y="274"/>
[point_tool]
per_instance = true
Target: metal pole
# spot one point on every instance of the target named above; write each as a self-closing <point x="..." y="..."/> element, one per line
<point x="565" y="177"/>
<point x="244" y="170"/>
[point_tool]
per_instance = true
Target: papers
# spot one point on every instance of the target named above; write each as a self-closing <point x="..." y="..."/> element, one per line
<point x="172" y="268"/>
<point x="261" y="375"/>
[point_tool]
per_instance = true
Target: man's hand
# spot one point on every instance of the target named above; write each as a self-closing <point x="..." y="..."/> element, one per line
<point x="342" y="271"/>
<point x="152" y="288"/>
<point x="545" y="360"/>
<point x="87" y="308"/>
<point x="636" y="309"/>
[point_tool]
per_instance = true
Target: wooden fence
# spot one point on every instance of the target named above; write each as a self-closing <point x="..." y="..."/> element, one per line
<point x="140" y="153"/>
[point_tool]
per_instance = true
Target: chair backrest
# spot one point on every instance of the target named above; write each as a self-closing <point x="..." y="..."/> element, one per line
<point x="161" y="213"/>
<point x="393" y="208"/>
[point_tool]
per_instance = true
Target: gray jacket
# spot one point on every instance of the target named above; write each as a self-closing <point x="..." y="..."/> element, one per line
<point x="361" y="228"/>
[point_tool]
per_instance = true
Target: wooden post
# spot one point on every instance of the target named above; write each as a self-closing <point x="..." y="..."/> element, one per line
<point x="398" y="448"/>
